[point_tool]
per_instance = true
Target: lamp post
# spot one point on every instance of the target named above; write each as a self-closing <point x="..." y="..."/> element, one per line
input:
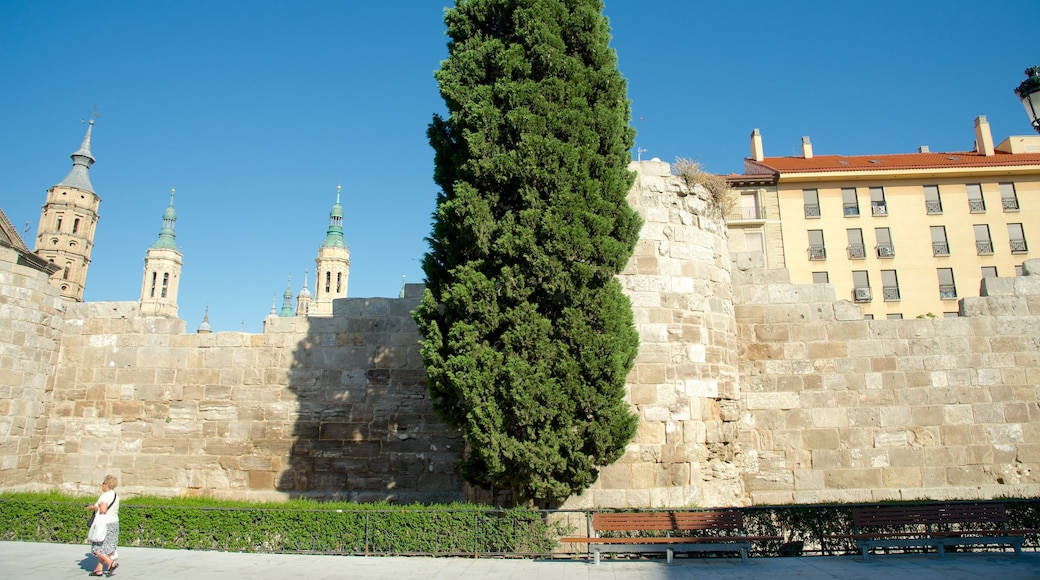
<point x="1029" y="92"/>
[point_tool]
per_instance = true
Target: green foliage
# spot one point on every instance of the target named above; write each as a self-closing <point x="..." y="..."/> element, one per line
<point x="296" y="526"/>
<point x="527" y="336"/>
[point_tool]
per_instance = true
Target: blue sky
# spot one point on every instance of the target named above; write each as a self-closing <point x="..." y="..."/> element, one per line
<point x="256" y="111"/>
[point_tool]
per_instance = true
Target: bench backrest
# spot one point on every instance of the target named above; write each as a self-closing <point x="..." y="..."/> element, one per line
<point x="970" y="513"/>
<point x="668" y="521"/>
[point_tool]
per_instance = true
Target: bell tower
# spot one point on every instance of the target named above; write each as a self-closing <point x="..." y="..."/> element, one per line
<point x="333" y="263"/>
<point x="162" y="270"/>
<point x="68" y="220"/>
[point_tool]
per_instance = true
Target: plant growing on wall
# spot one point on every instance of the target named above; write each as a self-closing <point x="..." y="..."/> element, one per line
<point x="527" y="336"/>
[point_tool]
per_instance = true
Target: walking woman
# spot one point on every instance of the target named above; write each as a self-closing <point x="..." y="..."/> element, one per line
<point x="107" y="507"/>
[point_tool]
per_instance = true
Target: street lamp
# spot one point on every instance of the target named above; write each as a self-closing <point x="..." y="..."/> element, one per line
<point x="1029" y="92"/>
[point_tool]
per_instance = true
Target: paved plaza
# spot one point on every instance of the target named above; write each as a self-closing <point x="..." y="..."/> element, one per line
<point x="62" y="561"/>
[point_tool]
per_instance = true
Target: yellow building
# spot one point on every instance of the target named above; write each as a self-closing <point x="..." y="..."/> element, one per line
<point x="903" y="235"/>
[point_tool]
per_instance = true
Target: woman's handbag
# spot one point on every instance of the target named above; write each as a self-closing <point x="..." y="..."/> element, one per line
<point x="98" y="530"/>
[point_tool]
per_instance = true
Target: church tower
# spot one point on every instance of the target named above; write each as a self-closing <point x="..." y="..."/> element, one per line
<point x="162" y="270"/>
<point x="333" y="264"/>
<point x="303" y="299"/>
<point x="65" y="237"/>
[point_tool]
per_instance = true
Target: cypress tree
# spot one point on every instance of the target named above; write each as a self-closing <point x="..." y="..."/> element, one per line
<point x="527" y="336"/>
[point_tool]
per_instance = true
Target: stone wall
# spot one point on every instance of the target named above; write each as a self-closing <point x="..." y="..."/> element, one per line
<point x="837" y="408"/>
<point x="325" y="407"/>
<point x="684" y="382"/>
<point x="31" y="325"/>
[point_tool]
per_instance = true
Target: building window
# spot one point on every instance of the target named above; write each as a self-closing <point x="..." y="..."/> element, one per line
<point x="877" y="201"/>
<point x="339" y="282"/>
<point x="58" y="228"/>
<point x="75" y="226"/>
<point x="975" y="202"/>
<point x="860" y="286"/>
<point x="821" y="278"/>
<point x="894" y="316"/>
<point x="983" y="243"/>
<point x="890" y="285"/>
<point x="868" y="317"/>
<point x="849" y="201"/>
<point x="1008" y="197"/>
<point x="940" y="247"/>
<point x="951" y="314"/>
<point x="155" y="279"/>
<point x="749" y="209"/>
<point x="753" y="242"/>
<point x="812" y="203"/>
<point x="856" y="249"/>
<point x="65" y="274"/>
<point x="885" y="249"/>
<point x="1020" y="270"/>
<point x="328" y="282"/>
<point x="165" y="283"/>
<point x="932" y="203"/>
<point x="1017" y="236"/>
<point x="947" y="288"/>
<point x="817" y="251"/>
<point x="989" y="271"/>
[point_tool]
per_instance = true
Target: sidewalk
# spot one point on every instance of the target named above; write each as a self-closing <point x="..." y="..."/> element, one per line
<point x="62" y="561"/>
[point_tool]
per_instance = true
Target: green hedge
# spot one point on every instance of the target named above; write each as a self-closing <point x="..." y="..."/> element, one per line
<point x="295" y="526"/>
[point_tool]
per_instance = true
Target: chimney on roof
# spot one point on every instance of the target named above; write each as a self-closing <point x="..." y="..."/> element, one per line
<point x="806" y="148"/>
<point x="983" y="137"/>
<point x="923" y="149"/>
<point x="756" y="146"/>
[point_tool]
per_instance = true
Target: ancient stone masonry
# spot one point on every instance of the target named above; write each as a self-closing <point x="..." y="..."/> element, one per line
<point x="837" y="408"/>
<point x="31" y="323"/>
<point x="749" y="390"/>
<point x="322" y="407"/>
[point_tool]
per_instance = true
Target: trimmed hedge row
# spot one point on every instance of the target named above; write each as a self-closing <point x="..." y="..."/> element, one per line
<point x="296" y="526"/>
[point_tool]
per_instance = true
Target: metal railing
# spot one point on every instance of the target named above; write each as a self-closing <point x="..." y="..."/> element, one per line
<point x="1018" y="247"/>
<point x="812" y="211"/>
<point x="878" y="208"/>
<point x="890" y="293"/>
<point x="976" y="206"/>
<point x="947" y="292"/>
<point x="933" y="206"/>
<point x="1009" y="203"/>
<point x="940" y="249"/>
<point x="984" y="248"/>
<point x="856" y="252"/>
<point x="817" y="253"/>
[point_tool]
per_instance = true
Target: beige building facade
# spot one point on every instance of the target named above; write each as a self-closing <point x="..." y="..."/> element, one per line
<point x="902" y="235"/>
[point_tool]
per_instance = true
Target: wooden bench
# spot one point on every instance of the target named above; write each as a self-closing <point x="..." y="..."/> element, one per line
<point x="937" y="525"/>
<point x="728" y="526"/>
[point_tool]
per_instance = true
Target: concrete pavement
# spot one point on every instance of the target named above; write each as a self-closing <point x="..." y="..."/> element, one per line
<point x="62" y="561"/>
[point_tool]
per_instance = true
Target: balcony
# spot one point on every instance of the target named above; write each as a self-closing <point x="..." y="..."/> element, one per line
<point x="1019" y="247"/>
<point x="878" y="208"/>
<point x="748" y="214"/>
<point x="857" y="252"/>
<point x="984" y="248"/>
<point x="851" y="210"/>
<point x="812" y="211"/>
<point x="940" y="249"/>
<point x="890" y="293"/>
<point x="947" y="292"/>
<point x="886" y="250"/>
<point x="933" y="207"/>
<point x="1009" y="203"/>
<point x="817" y="253"/>
<point x="976" y="206"/>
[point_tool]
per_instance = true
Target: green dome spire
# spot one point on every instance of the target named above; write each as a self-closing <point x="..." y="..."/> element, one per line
<point x="334" y="236"/>
<point x="166" y="235"/>
<point x="287" y="300"/>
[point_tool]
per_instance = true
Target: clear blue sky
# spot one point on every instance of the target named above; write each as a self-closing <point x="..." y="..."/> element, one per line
<point x="255" y="112"/>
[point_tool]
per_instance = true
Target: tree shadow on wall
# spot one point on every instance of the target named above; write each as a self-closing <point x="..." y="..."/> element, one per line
<point x="363" y="426"/>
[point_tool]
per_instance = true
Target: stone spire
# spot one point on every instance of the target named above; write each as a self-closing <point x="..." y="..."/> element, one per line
<point x="205" y="328"/>
<point x="287" y="300"/>
<point x="333" y="264"/>
<point x="68" y="220"/>
<point x="79" y="176"/>
<point x="166" y="235"/>
<point x="303" y="299"/>
<point x="162" y="270"/>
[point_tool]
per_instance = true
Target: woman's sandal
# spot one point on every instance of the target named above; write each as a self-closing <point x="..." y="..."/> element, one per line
<point x="96" y="573"/>
<point x="112" y="569"/>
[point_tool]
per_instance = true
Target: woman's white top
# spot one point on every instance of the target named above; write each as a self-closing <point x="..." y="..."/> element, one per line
<point x="109" y="497"/>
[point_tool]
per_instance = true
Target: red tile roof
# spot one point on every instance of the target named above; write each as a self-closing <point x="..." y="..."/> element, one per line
<point x="902" y="161"/>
